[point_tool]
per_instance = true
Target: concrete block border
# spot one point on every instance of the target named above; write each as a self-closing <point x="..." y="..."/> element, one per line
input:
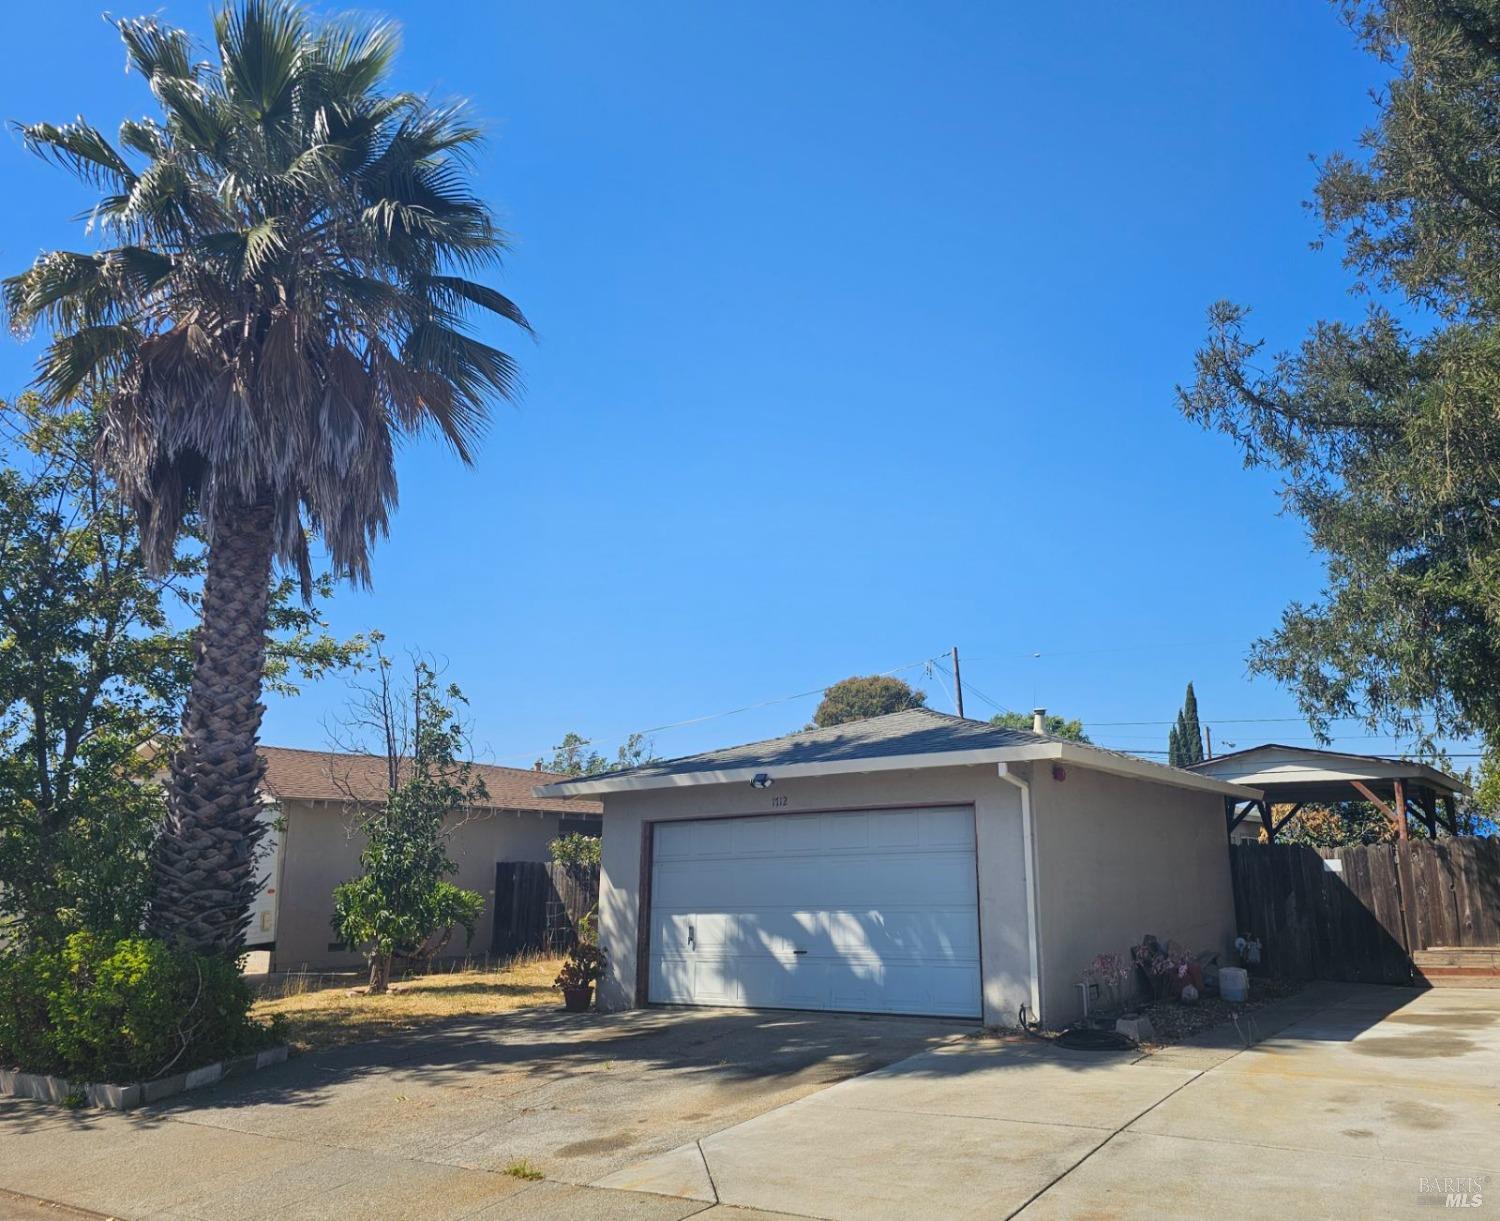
<point x="43" y="1088"/>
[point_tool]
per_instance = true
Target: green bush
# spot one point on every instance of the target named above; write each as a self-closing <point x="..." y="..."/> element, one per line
<point x="578" y="851"/>
<point x="125" y="1010"/>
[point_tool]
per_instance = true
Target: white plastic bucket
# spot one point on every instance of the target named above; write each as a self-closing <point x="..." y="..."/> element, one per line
<point x="1234" y="983"/>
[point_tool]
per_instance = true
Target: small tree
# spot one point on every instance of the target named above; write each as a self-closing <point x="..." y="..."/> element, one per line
<point x="401" y="905"/>
<point x="858" y="698"/>
<point x="573" y="756"/>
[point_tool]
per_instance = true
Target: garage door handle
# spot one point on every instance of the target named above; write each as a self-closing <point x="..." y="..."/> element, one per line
<point x="692" y="938"/>
<point x="799" y="951"/>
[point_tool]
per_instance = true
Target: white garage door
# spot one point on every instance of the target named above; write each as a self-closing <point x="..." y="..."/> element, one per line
<point x="864" y="911"/>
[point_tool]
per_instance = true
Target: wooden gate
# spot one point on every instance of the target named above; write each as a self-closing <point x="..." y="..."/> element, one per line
<point x="1359" y="913"/>
<point x="538" y="905"/>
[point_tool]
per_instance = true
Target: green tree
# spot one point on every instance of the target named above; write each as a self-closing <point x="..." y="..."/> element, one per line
<point x="1057" y="727"/>
<point x="402" y="904"/>
<point x="573" y="756"/>
<point x="858" y="698"/>
<point x="1384" y="430"/>
<point x="1185" y="741"/>
<point x="285" y="297"/>
<point x="93" y="673"/>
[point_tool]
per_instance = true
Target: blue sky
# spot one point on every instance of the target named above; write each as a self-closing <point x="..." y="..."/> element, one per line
<point x="858" y="327"/>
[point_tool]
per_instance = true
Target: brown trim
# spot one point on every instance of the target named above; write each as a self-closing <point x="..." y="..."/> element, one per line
<point x="979" y="903"/>
<point x="643" y="918"/>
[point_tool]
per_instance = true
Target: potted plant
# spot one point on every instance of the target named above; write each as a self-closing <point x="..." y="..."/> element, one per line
<point x="582" y="969"/>
<point x="579" y="974"/>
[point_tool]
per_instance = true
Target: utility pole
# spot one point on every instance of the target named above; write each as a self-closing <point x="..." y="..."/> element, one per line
<point x="1208" y="732"/>
<point x="958" y="683"/>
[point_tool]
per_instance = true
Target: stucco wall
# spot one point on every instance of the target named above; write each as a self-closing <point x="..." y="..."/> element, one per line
<point x="1117" y="858"/>
<point x="1004" y="952"/>
<point x="322" y="849"/>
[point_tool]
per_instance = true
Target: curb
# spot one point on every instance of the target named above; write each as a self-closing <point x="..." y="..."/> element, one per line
<point x="44" y="1088"/>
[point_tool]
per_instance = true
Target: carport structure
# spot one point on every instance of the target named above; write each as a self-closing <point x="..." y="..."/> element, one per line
<point x="1292" y="778"/>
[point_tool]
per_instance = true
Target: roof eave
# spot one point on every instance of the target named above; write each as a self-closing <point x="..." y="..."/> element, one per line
<point x="1141" y="769"/>
<point x="1062" y="751"/>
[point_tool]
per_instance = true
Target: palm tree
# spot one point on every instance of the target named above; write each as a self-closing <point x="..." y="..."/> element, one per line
<point x="284" y="297"/>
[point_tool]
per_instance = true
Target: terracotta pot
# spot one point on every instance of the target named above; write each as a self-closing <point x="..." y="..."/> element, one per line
<point x="578" y="1000"/>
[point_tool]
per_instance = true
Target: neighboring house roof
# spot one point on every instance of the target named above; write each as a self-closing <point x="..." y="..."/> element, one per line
<point x="1300" y="773"/>
<point x="919" y="737"/>
<point x="323" y="775"/>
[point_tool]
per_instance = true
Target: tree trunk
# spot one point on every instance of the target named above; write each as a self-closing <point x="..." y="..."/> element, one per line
<point x="380" y="973"/>
<point x="204" y="861"/>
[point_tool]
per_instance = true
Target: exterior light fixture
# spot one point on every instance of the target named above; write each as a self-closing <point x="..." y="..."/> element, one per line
<point x="761" y="781"/>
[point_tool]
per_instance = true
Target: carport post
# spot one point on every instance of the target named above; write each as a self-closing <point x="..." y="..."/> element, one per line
<point x="1428" y="805"/>
<point x="1400" y="803"/>
<point x="1451" y="807"/>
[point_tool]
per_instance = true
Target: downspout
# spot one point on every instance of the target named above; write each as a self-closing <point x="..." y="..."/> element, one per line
<point x="1028" y="854"/>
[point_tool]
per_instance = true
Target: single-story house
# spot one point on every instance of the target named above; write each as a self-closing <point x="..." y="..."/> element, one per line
<point x="913" y="863"/>
<point x="312" y="798"/>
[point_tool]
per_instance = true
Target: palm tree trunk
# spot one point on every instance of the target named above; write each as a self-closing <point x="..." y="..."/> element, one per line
<point x="204" y="860"/>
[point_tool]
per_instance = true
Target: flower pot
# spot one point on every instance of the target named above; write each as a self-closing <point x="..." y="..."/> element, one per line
<point x="578" y="1000"/>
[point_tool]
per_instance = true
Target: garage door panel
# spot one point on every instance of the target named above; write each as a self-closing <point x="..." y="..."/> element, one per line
<point x="891" y="935"/>
<point x="862" y="911"/>
<point x="696" y="884"/>
<point x="754" y="836"/>
<point x="798" y="833"/>
<point x="846" y="831"/>
<point x="894" y="831"/>
<point x="938" y="879"/>
<point x="947" y="828"/>
<point x="671" y="841"/>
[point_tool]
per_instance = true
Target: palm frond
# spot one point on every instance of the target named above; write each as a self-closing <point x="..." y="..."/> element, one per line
<point x="263" y="242"/>
<point x="357" y="56"/>
<point x="261" y="45"/>
<point x="80" y="149"/>
<point x="70" y="290"/>
<point x="450" y="290"/>
<point x="195" y="116"/>
<point x="154" y="49"/>
<point x="89" y="354"/>
<point x="144" y="136"/>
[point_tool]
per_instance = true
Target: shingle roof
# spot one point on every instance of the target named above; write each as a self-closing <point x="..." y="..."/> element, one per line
<point x="321" y="775"/>
<point x="917" y="731"/>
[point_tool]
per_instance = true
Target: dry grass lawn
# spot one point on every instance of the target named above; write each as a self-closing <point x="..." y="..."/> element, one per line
<point x="330" y="1015"/>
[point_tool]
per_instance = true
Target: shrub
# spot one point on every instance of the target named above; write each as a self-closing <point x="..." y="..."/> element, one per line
<point x="576" y="851"/>
<point x="583" y="969"/>
<point x="123" y="1010"/>
<point x="586" y="962"/>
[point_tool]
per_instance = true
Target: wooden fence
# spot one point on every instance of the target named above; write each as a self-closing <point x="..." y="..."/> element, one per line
<point x="1359" y="913"/>
<point x="538" y="905"/>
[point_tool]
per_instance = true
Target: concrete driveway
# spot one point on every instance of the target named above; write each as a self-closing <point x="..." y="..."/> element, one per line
<point x="425" y="1125"/>
<point x="1358" y="1102"/>
<point x="1355" y="1101"/>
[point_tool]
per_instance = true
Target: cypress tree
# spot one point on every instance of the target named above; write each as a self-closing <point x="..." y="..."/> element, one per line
<point x="1192" y="733"/>
<point x="1174" y="746"/>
